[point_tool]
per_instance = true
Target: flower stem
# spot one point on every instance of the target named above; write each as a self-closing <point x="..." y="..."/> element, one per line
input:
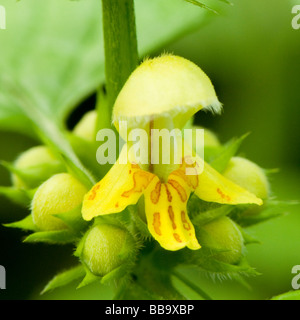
<point x="191" y="285"/>
<point x="120" y="43"/>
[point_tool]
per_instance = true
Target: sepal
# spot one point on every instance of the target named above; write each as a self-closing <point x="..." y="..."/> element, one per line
<point x="25" y="224"/>
<point x="64" y="278"/>
<point x="228" y="150"/>
<point x="19" y="196"/>
<point x="52" y="237"/>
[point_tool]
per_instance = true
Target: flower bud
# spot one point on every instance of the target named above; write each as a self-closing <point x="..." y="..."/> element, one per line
<point x="105" y="248"/>
<point x="38" y="164"/>
<point x="86" y="127"/>
<point x="210" y="138"/>
<point x="251" y="177"/>
<point x="61" y="193"/>
<point x="223" y="234"/>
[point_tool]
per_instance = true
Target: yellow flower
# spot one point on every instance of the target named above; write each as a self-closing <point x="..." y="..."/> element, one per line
<point x="163" y="93"/>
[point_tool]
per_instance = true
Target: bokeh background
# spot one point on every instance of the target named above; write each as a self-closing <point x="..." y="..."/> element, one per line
<point x="252" y="55"/>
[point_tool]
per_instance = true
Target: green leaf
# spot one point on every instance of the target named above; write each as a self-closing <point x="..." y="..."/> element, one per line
<point x="114" y="275"/>
<point x="18" y="196"/>
<point x="88" y="159"/>
<point x="202" y="212"/>
<point x="35" y="175"/>
<point x="229" y="150"/>
<point x="210" y="215"/>
<point x="248" y="238"/>
<point x="42" y="58"/>
<point x="291" y="295"/>
<point x="161" y="22"/>
<point x="140" y="225"/>
<point x="49" y="131"/>
<point x="52" y="237"/>
<point x="88" y="279"/>
<point x="201" y="5"/>
<point x="73" y="219"/>
<point x="222" y="270"/>
<point x="204" y="6"/>
<point x="58" y="57"/>
<point x="135" y="291"/>
<point x="192" y="285"/>
<point x="65" y="278"/>
<point x="270" y="210"/>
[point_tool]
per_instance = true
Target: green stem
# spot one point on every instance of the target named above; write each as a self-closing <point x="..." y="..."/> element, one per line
<point x="190" y="284"/>
<point x="120" y="43"/>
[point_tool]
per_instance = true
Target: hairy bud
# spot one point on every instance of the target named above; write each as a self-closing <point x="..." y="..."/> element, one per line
<point x="106" y="247"/>
<point x="86" y="127"/>
<point x="224" y="235"/>
<point x="250" y="176"/>
<point x="59" y="194"/>
<point x="36" y="165"/>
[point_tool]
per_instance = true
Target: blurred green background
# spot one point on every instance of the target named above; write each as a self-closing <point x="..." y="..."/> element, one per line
<point x="251" y="53"/>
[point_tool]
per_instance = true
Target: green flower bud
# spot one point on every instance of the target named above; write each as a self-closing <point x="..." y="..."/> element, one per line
<point x="210" y="138"/>
<point x="37" y="164"/>
<point x="106" y="247"/>
<point x="61" y="193"/>
<point x="86" y="127"/>
<point x="223" y="234"/>
<point x="251" y="177"/>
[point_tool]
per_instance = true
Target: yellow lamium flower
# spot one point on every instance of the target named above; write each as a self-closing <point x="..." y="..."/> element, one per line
<point x="163" y="93"/>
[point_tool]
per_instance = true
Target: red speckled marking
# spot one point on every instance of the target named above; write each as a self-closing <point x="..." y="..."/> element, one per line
<point x="177" y="237"/>
<point x="186" y="225"/>
<point x="157" y="223"/>
<point x="181" y="192"/>
<point x="94" y="190"/>
<point x="141" y="180"/>
<point x="223" y="195"/>
<point x="172" y="217"/>
<point x="192" y="179"/>
<point x="155" y="193"/>
<point x="169" y="195"/>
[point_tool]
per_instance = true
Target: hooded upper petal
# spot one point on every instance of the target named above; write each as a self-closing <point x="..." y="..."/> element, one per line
<point x="166" y="86"/>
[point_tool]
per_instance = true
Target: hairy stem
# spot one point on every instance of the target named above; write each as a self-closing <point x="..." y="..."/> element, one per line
<point x="120" y="42"/>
